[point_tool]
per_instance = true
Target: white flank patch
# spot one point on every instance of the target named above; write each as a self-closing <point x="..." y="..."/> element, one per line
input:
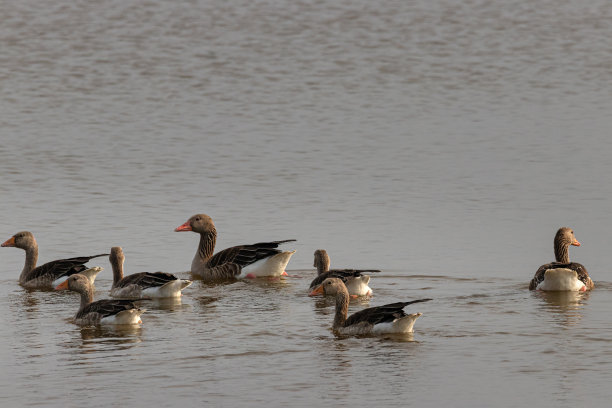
<point x="271" y="266"/>
<point x="403" y="325"/>
<point x="59" y="281"/>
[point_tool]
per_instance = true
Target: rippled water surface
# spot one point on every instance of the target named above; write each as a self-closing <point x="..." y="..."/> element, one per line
<point x="443" y="142"/>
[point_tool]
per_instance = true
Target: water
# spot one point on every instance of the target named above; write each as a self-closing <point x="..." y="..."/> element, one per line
<point x="442" y="142"/>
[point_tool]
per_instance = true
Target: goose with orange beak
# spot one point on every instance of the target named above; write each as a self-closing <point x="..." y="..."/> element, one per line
<point x="48" y="275"/>
<point x="386" y="319"/>
<point x="242" y="261"/>
<point x="562" y="275"/>
<point x="101" y="312"/>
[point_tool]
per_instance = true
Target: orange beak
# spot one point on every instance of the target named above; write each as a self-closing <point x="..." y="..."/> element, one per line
<point x="9" y="242"/>
<point x="184" y="227"/>
<point x="62" y="286"/>
<point x="317" y="291"/>
<point x="575" y="243"/>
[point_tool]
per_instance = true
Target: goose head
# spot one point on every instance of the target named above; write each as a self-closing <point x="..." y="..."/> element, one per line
<point x="330" y="286"/>
<point x="200" y="223"/>
<point x="75" y="283"/>
<point x="565" y="237"/>
<point x="23" y="240"/>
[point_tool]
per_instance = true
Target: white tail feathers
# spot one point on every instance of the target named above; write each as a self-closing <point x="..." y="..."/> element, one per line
<point x="91" y="273"/>
<point x="561" y="279"/>
<point x="172" y="288"/>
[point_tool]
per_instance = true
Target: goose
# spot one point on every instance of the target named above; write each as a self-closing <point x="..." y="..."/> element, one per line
<point x="142" y="284"/>
<point x="48" y="275"/>
<point x="106" y="311"/>
<point x="243" y="261"/>
<point x="562" y="274"/>
<point x="385" y="319"/>
<point x="356" y="283"/>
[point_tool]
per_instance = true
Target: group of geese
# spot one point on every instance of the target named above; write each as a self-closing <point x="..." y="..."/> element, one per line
<point x="252" y="261"/>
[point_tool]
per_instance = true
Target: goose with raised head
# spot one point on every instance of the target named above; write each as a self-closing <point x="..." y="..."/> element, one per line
<point x="106" y="311"/>
<point x="48" y="275"/>
<point x="355" y="281"/>
<point x="243" y="261"/>
<point x="142" y="284"/>
<point x="562" y="274"/>
<point x="386" y="319"/>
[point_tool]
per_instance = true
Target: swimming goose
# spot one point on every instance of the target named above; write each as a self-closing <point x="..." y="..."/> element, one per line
<point x="142" y="284"/>
<point x="356" y="283"/>
<point x="106" y="311"/>
<point x="562" y="274"/>
<point x="52" y="273"/>
<point x="375" y="320"/>
<point x="244" y="261"/>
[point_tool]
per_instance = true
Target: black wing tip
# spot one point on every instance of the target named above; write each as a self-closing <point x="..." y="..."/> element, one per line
<point x="419" y="301"/>
<point x="285" y="241"/>
<point x="96" y="256"/>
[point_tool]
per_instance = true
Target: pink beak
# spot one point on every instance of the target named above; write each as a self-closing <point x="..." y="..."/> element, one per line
<point x="185" y="227"/>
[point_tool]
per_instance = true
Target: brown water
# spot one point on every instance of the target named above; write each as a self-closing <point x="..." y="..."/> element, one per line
<point x="443" y="142"/>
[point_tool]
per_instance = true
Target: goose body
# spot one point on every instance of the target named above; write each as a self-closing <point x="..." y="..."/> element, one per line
<point x="243" y="261"/>
<point x="386" y="319"/>
<point x="52" y="273"/>
<point x="562" y="275"/>
<point x="101" y="312"/>
<point x="142" y="284"/>
<point x="355" y="281"/>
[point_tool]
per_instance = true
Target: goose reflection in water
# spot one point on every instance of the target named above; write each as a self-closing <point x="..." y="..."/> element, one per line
<point x="565" y="306"/>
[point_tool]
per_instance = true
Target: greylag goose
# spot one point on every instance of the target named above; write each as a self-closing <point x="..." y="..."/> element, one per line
<point x="384" y="319"/>
<point x="243" y="261"/>
<point x="48" y="275"/>
<point x="562" y="274"/>
<point x="356" y="283"/>
<point x="143" y="284"/>
<point x="106" y="311"/>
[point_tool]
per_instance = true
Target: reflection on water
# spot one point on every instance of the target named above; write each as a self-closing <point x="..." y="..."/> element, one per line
<point x="114" y="335"/>
<point x="564" y="305"/>
<point x="173" y="304"/>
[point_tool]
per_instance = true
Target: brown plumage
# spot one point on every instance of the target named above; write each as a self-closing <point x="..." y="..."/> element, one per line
<point x="142" y="284"/>
<point x="355" y="281"/>
<point x="563" y="239"/>
<point x="107" y="311"/>
<point x="389" y="318"/>
<point x="235" y="262"/>
<point x="44" y="275"/>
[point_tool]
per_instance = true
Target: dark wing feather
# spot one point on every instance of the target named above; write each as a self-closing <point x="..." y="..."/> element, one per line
<point x="380" y="314"/>
<point x="107" y="307"/>
<point x="62" y="267"/>
<point x="146" y="279"/>
<point x="244" y="255"/>
<point x="343" y="274"/>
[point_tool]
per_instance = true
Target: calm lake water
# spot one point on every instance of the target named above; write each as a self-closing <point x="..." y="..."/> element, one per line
<point x="443" y="142"/>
